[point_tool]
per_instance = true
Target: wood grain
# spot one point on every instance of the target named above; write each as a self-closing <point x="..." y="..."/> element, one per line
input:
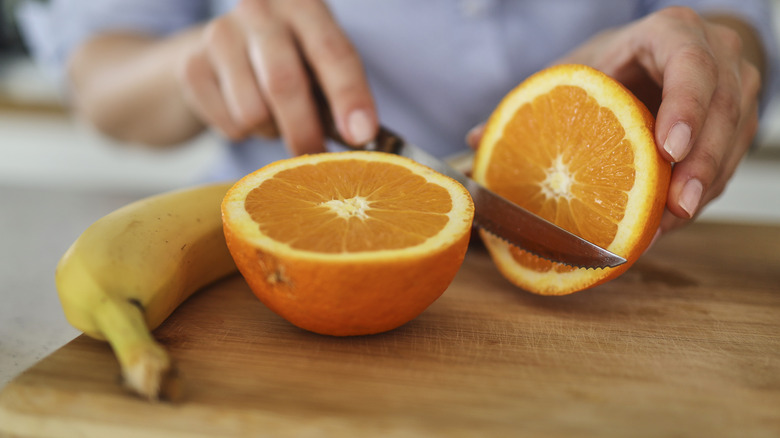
<point x="686" y="343"/>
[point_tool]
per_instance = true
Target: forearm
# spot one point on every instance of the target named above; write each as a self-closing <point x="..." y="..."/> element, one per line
<point x="126" y="86"/>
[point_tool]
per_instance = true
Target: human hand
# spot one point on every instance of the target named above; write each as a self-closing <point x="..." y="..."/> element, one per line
<point x="249" y="74"/>
<point x="695" y="76"/>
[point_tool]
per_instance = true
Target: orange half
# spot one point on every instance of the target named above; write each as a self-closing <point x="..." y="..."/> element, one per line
<point x="347" y="243"/>
<point x="577" y="148"/>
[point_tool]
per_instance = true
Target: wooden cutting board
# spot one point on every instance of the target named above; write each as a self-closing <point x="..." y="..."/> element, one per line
<point x="686" y="343"/>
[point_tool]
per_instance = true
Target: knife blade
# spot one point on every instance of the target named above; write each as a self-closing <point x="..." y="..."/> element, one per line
<point x="501" y="217"/>
<point x="492" y="212"/>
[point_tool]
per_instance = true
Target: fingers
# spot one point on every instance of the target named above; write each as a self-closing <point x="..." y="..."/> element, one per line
<point x="220" y="85"/>
<point x="339" y="72"/>
<point x="683" y="62"/>
<point x="729" y="163"/>
<point x="251" y="75"/>
<point x="725" y="135"/>
<point x="203" y="93"/>
<point x="284" y="81"/>
<point x="242" y="94"/>
<point x="280" y="72"/>
<point x="474" y="136"/>
<point x="288" y="41"/>
<point x="707" y="117"/>
<point x="695" y="174"/>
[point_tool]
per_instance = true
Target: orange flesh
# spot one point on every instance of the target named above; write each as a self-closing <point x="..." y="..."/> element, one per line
<point x="565" y="158"/>
<point x="349" y="206"/>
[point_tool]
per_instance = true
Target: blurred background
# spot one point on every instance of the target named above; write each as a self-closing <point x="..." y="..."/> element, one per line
<point x="42" y="146"/>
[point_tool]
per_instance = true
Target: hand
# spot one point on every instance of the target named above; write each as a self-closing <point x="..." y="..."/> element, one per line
<point x="696" y="75"/>
<point x="249" y="74"/>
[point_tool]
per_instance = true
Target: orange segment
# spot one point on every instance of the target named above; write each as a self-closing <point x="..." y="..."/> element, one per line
<point x="347" y="243"/>
<point x="577" y="148"/>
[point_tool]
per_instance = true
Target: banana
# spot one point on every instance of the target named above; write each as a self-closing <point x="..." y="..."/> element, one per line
<point x="127" y="272"/>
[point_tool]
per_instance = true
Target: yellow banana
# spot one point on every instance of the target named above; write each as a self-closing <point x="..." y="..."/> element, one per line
<point x="130" y="269"/>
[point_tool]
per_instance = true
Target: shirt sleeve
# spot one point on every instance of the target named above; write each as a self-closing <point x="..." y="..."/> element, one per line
<point x="52" y="30"/>
<point x="757" y="13"/>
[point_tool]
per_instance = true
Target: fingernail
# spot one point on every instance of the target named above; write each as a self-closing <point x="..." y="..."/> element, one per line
<point x="360" y="126"/>
<point x="677" y="141"/>
<point x="690" y="196"/>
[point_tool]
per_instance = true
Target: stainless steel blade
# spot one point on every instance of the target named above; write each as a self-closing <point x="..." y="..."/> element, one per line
<point x="506" y="219"/>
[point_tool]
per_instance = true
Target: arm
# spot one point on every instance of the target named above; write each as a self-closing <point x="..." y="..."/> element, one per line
<point x="126" y="85"/>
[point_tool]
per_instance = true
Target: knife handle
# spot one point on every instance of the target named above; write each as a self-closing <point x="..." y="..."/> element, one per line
<point x="385" y="140"/>
<point x="326" y="117"/>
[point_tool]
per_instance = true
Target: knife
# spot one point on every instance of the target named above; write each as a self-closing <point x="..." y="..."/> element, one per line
<point x="492" y="212"/>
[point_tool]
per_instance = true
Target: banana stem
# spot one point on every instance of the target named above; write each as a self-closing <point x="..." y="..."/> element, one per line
<point x="144" y="362"/>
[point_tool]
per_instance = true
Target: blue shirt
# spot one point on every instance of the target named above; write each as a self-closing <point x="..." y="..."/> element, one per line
<point x="436" y="67"/>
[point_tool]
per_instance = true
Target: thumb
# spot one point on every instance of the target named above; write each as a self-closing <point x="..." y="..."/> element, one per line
<point x="474" y="136"/>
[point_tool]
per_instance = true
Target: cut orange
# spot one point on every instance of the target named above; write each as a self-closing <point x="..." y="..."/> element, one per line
<point x="577" y="148"/>
<point x="347" y="243"/>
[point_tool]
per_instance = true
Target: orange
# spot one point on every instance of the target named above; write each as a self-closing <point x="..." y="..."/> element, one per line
<point x="577" y="148"/>
<point x="347" y="243"/>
